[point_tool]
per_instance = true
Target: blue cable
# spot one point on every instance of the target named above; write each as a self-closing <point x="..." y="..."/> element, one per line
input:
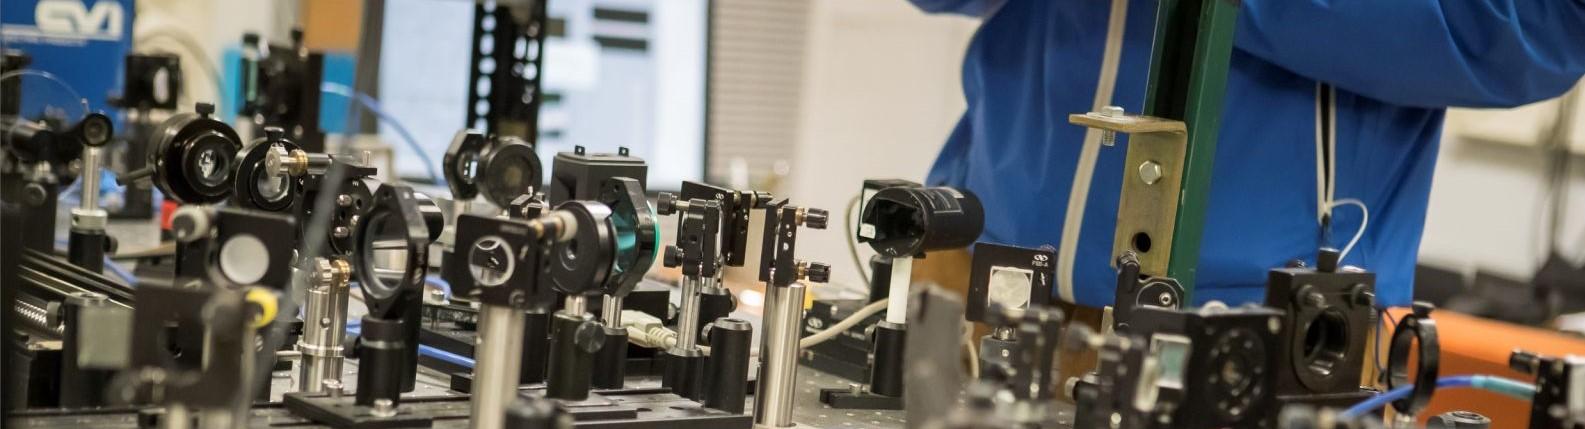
<point x="1501" y="385"/>
<point x="121" y="272"/>
<point x="373" y="106"/>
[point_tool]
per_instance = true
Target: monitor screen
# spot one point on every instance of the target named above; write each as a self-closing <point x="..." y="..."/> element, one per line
<point x="618" y="73"/>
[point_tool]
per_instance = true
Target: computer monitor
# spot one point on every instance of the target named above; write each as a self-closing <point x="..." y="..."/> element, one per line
<point x="618" y="73"/>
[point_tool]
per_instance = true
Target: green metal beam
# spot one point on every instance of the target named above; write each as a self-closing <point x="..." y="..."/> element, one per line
<point x="1188" y="82"/>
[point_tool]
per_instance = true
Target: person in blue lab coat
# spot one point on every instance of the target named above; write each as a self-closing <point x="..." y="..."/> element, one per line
<point x="1328" y="102"/>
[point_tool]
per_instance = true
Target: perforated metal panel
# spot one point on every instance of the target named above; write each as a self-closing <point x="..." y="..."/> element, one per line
<point x="504" y="83"/>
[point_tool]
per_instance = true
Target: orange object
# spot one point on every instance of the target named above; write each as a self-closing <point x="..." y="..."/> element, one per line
<point x="1472" y="345"/>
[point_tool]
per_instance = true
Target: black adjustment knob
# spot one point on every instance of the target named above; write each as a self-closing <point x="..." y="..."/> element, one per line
<point x="274" y="133"/>
<point x="1525" y="362"/>
<point x="1363" y="296"/>
<point x="526" y="207"/>
<point x="816" y="218"/>
<point x="1423" y="309"/>
<point x="1328" y="260"/>
<point x="672" y="257"/>
<point x="818" y="272"/>
<point x="589" y="336"/>
<point x="666" y="204"/>
<point x="205" y="109"/>
<point x="95" y="130"/>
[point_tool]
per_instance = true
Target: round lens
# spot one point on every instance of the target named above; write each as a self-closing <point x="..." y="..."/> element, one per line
<point x="270" y="187"/>
<point x="385" y="252"/>
<point x="244" y="259"/>
<point x="491" y="262"/>
<point x="211" y="165"/>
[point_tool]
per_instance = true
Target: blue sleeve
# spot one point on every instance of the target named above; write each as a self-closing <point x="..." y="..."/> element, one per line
<point x="975" y="8"/>
<point x="1424" y="53"/>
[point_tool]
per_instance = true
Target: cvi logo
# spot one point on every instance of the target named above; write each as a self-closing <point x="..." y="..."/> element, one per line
<point x="74" y="19"/>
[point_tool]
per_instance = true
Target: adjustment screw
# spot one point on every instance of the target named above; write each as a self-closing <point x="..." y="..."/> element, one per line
<point x="1315" y="299"/>
<point x="672" y="257"/>
<point x="1150" y="172"/>
<point x="383" y="408"/>
<point x="589" y="337"/>
<point x="817" y="272"/>
<point x="344" y="200"/>
<point x="205" y="109"/>
<point x="666" y="204"/>
<point x="1363" y="296"/>
<point x="1423" y="309"/>
<point x="34" y="194"/>
<point x="816" y="218"/>
<point x="333" y="387"/>
<point x="1109" y="137"/>
<point x="525" y="207"/>
<point x="341" y="232"/>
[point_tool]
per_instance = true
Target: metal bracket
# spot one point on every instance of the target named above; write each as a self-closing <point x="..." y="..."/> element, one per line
<point x="1152" y="184"/>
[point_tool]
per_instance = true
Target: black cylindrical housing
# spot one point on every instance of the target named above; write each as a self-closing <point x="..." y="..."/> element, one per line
<point x="726" y="373"/>
<point x="570" y="366"/>
<point x="87" y="249"/>
<point x="410" y="326"/>
<point x="536" y="347"/>
<point x="684" y="372"/>
<point x="382" y="355"/>
<point x="714" y="303"/>
<point x="880" y="277"/>
<point x="886" y="375"/>
<point x="908" y="221"/>
<point x="536" y="413"/>
<point x="610" y="363"/>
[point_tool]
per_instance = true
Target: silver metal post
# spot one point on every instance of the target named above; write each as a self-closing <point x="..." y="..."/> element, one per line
<point x="177" y="416"/>
<point x="91" y="171"/>
<point x="611" y="311"/>
<point x="773" y="402"/>
<point x="576" y="305"/>
<point x="324" y="326"/>
<point x="688" y="315"/>
<point x="499" y="351"/>
<point x="87" y="216"/>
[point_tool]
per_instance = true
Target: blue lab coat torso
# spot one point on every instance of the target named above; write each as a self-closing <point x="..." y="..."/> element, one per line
<point x="1395" y="66"/>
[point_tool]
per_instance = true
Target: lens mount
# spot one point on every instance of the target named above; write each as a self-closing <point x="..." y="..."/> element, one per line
<point x="192" y="157"/>
<point x="581" y="264"/>
<point x="509" y="170"/>
<point x="391" y="231"/>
